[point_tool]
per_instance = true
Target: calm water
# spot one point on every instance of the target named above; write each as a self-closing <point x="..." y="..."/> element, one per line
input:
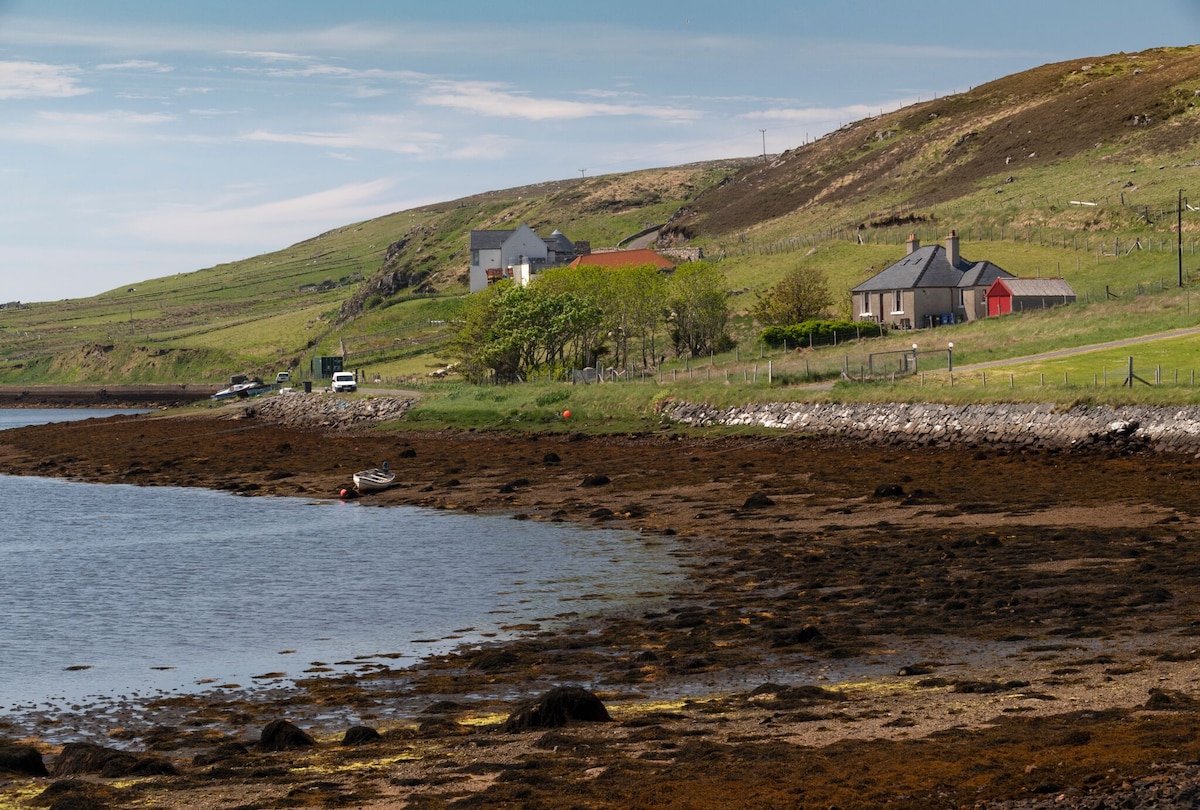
<point x="109" y="590"/>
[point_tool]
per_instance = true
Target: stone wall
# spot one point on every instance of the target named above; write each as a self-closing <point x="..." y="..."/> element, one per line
<point x="1172" y="429"/>
<point x="322" y="411"/>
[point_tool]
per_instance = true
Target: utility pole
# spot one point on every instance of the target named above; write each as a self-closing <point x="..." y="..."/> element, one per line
<point x="1179" y="216"/>
<point x="764" y="134"/>
<point x="582" y="173"/>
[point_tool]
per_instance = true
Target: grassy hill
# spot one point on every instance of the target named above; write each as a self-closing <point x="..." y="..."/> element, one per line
<point x="1006" y="164"/>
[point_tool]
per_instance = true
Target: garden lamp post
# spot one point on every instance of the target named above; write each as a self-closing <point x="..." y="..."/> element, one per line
<point x="950" y="356"/>
<point x="914" y="358"/>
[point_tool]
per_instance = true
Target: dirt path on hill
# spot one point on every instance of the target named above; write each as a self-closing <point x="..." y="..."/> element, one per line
<point x="860" y="627"/>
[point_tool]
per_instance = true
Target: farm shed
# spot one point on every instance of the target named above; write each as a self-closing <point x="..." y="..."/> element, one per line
<point x="1022" y="294"/>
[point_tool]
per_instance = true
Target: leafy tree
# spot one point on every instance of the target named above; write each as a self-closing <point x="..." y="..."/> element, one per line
<point x="632" y="301"/>
<point x="801" y="295"/>
<point x="698" y="301"/>
<point x="509" y="331"/>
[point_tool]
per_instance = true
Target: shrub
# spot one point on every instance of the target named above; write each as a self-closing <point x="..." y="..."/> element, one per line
<point x="820" y="333"/>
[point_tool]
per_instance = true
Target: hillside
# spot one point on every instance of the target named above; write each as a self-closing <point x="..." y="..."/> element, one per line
<point x="1005" y="164"/>
<point x="1099" y="117"/>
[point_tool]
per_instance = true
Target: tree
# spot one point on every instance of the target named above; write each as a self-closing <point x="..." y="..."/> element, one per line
<point x="631" y="299"/>
<point x="509" y="331"/>
<point x="698" y="301"/>
<point x="801" y="295"/>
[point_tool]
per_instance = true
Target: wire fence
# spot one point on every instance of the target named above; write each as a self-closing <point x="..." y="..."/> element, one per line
<point x="1128" y="375"/>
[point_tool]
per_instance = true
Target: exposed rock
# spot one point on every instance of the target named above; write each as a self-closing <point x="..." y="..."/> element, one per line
<point x="558" y="707"/>
<point x="223" y="753"/>
<point x="361" y="735"/>
<point x="282" y="735"/>
<point x="79" y="757"/>
<point x="759" y="500"/>
<point x="23" y="759"/>
<point x="75" y="794"/>
<point x="595" y="481"/>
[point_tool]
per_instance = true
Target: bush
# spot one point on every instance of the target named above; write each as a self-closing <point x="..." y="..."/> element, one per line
<point x="820" y="333"/>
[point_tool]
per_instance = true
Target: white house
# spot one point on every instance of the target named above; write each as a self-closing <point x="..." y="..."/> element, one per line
<point x="517" y="254"/>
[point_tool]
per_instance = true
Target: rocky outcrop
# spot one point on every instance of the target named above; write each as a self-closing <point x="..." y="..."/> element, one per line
<point x="1170" y="429"/>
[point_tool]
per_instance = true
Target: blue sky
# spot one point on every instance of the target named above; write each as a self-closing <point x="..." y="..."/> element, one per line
<point x="144" y="138"/>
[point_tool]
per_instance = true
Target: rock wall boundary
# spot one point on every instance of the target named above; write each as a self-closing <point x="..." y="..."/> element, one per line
<point x="1167" y="429"/>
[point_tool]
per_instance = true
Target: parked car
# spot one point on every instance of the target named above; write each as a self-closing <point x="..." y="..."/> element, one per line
<point x="283" y="377"/>
<point x="343" y="381"/>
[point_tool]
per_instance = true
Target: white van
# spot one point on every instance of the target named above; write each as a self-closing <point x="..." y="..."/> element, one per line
<point x="343" y="381"/>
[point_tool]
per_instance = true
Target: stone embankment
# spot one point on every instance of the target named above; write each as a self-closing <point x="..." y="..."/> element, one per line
<point x="323" y="411"/>
<point x="1169" y="429"/>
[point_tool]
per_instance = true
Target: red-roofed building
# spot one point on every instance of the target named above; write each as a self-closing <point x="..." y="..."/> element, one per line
<point x="613" y="259"/>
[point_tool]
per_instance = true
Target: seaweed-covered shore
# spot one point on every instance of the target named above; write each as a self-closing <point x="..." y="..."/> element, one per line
<point x="862" y="626"/>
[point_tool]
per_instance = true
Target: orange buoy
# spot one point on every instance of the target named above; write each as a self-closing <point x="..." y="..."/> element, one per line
<point x="566" y="414"/>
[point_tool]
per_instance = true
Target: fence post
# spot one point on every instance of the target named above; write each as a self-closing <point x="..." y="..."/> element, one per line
<point x="770" y="375"/>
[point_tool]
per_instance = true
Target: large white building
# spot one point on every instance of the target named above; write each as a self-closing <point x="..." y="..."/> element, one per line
<point x="517" y="254"/>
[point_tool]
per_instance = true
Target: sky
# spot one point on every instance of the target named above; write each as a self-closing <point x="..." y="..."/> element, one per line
<point x="145" y="138"/>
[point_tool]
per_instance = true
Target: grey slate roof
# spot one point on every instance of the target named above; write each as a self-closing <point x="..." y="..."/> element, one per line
<point x="559" y="243"/>
<point x="930" y="266"/>
<point x="489" y="240"/>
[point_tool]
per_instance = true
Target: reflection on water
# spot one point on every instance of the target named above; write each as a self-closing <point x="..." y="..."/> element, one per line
<point x="108" y="589"/>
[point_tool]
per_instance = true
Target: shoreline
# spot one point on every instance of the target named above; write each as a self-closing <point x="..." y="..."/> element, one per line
<point x="786" y="601"/>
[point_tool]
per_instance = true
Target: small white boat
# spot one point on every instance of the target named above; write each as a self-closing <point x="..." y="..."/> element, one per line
<point x="243" y="390"/>
<point x="374" y="480"/>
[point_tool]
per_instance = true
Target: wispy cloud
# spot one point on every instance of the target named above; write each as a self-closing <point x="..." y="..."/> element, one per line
<point x="823" y="115"/>
<point x="39" y="80"/>
<point x="91" y="129"/>
<point x="381" y="133"/>
<point x="497" y="100"/>
<point x="279" y="222"/>
<point x="137" y="64"/>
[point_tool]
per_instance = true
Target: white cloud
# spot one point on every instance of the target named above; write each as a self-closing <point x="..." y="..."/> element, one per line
<point x="90" y="129"/>
<point x="39" y="80"/>
<point x="497" y="100"/>
<point x="271" y="56"/>
<point x="137" y="64"/>
<point x="260" y="227"/>
<point x="384" y="133"/>
<point x="823" y="115"/>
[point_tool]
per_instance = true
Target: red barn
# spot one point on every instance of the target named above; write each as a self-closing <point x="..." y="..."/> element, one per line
<point x="1021" y="294"/>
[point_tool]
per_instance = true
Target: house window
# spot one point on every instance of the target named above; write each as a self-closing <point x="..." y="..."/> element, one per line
<point x="866" y="304"/>
<point x="474" y="258"/>
<point x="897" y="302"/>
<point x="962" y="299"/>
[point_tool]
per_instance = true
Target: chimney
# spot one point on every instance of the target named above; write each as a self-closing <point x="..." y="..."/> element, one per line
<point x="952" y="248"/>
<point x="913" y="243"/>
